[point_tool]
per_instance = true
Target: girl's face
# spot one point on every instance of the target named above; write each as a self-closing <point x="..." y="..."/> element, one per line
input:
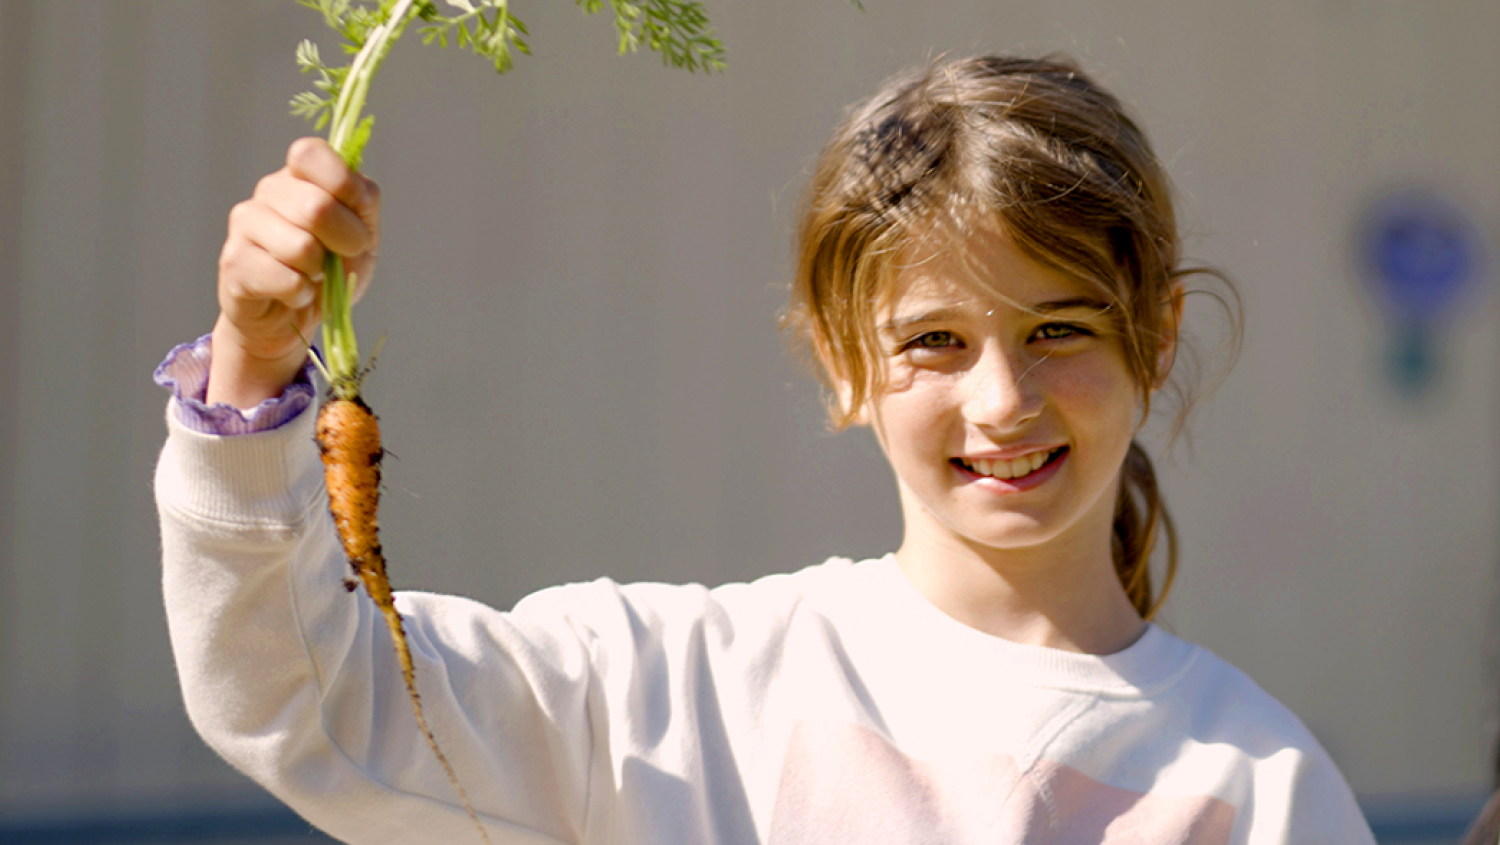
<point x="1006" y="422"/>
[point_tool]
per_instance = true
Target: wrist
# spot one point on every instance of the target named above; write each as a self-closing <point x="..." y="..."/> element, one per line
<point x="242" y="379"/>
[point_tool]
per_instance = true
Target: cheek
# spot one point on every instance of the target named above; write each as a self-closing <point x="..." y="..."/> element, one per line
<point x="1101" y="395"/>
<point x="910" y="420"/>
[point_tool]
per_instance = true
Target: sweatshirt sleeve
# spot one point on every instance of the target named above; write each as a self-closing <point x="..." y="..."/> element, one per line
<point x="1302" y="799"/>
<point x="1294" y="793"/>
<point x="293" y="679"/>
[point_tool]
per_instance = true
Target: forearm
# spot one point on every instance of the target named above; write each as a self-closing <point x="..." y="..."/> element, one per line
<point x="292" y="679"/>
<point x="235" y="513"/>
<point x="281" y="669"/>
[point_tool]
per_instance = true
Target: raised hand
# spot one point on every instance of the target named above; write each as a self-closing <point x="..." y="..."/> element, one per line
<point x="270" y="269"/>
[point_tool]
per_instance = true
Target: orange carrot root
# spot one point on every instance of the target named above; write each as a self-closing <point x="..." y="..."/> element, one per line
<point x="348" y="437"/>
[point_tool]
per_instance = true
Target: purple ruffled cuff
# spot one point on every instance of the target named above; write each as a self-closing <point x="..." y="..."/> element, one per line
<point x="185" y="373"/>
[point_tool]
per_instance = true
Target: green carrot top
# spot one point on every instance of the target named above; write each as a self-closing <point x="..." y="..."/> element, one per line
<point x="677" y="29"/>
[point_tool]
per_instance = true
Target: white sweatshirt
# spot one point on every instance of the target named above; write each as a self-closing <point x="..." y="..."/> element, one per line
<point x="833" y="705"/>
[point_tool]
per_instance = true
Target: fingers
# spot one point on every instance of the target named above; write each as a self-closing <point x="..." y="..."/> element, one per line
<point x="313" y="209"/>
<point x="267" y="258"/>
<point x="312" y="160"/>
<point x="257" y="224"/>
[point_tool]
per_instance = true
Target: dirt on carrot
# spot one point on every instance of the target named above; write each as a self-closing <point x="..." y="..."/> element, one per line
<point x="348" y="437"/>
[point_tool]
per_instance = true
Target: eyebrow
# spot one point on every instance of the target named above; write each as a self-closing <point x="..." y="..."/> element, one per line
<point x="938" y="315"/>
<point x="1077" y="302"/>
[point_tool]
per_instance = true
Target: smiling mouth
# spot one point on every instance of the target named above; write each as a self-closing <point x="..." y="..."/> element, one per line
<point x="1010" y="470"/>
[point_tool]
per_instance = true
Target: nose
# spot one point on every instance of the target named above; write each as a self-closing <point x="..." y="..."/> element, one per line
<point x="1003" y="390"/>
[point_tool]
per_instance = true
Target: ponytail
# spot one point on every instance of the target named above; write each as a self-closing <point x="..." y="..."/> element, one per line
<point x="1140" y="516"/>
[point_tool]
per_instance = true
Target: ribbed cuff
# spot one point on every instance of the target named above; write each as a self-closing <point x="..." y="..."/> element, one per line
<point x="267" y="478"/>
<point x="185" y="373"/>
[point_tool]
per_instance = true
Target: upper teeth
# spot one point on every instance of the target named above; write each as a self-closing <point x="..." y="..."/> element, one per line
<point x="1024" y="465"/>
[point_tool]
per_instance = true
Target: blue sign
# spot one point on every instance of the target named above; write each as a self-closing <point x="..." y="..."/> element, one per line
<point x="1423" y="255"/>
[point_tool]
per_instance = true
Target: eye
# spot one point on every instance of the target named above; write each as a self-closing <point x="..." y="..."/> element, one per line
<point x="932" y="340"/>
<point x="1060" y="331"/>
<point x="928" y="342"/>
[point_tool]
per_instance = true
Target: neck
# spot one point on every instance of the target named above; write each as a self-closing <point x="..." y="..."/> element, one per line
<point x="1054" y="595"/>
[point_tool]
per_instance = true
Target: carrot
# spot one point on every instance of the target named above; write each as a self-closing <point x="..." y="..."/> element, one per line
<point x="348" y="435"/>
<point x="348" y="438"/>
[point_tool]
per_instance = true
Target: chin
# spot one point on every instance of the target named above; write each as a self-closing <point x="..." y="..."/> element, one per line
<point x="1017" y="534"/>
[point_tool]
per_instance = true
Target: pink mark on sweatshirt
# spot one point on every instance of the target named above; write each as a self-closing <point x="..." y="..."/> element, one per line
<point x="844" y="783"/>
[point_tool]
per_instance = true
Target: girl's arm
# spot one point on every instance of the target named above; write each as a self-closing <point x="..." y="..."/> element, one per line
<point x="287" y="675"/>
<point x="292" y="679"/>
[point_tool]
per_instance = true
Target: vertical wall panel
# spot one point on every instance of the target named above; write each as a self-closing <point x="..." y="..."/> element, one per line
<point x="15" y="27"/>
<point x="52" y="745"/>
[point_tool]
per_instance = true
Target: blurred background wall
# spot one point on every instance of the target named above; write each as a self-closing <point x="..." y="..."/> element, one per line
<point x="582" y="267"/>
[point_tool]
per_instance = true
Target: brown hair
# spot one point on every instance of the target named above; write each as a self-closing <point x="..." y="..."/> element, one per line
<point x="1073" y="182"/>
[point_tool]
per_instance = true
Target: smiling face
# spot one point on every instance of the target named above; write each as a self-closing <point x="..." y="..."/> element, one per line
<point x="1005" y="409"/>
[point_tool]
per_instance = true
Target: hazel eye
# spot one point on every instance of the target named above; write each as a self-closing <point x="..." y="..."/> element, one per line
<point x="932" y="340"/>
<point x="1060" y="331"/>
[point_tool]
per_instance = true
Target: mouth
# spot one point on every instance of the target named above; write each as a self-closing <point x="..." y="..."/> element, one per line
<point x="1012" y="470"/>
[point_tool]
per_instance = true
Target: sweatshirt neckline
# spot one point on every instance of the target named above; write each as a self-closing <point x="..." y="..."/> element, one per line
<point x="1155" y="660"/>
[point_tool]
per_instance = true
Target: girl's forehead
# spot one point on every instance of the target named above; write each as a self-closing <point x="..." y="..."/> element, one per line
<point x="984" y="272"/>
<point x="926" y="293"/>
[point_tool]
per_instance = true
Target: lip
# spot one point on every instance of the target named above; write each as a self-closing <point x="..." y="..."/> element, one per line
<point x="1012" y="485"/>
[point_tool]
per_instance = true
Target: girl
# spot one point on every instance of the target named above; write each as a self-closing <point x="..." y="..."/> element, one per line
<point x="989" y="278"/>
